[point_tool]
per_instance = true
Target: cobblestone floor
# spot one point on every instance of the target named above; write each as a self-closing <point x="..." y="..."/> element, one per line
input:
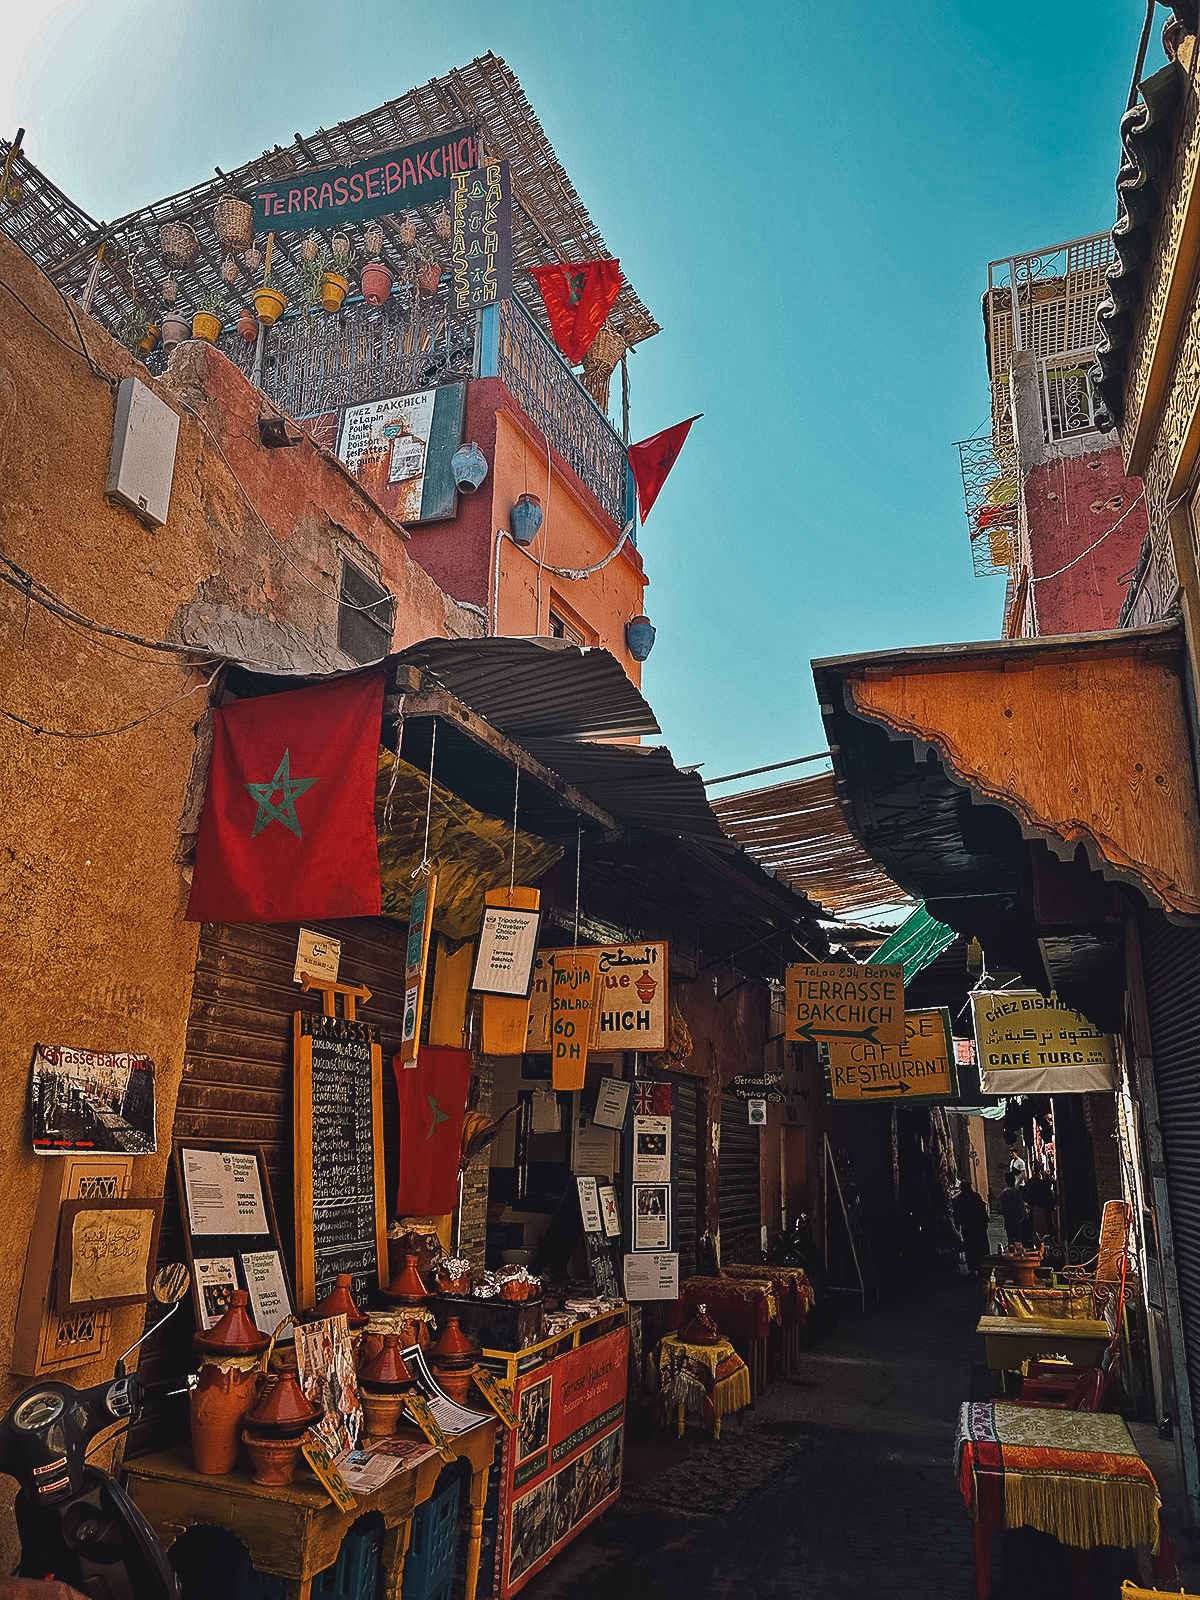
<point x="858" y="1501"/>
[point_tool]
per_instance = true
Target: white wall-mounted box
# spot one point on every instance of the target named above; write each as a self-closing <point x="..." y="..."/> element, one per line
<point x="145" y="436"/>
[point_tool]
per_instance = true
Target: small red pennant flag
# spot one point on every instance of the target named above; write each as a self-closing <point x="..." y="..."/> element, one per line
<point x="578" y="296"/>
<point x="433" y="1102"/>
<point x="653" y="459"/>
<point x="288" y="828"/>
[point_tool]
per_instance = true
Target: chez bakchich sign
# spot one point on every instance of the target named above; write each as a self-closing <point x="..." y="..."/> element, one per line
<point x="392" y="181"/>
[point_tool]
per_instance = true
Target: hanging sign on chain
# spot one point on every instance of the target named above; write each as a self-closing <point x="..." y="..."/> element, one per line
<point x="416" y="965"/>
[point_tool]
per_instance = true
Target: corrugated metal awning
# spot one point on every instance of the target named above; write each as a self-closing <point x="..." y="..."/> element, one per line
<point x="637" y="783"/>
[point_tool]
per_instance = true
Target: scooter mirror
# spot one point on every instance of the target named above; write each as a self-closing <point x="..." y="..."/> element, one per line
<point x="171" y="1283"/>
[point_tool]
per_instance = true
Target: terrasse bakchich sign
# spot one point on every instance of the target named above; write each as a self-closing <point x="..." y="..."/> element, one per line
<point x="394" y="180"/>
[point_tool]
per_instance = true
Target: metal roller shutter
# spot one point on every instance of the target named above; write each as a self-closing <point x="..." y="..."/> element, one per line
<point x="686" y="1180"/>
<point x="740" y="1207"/>
<point x="1171" y="966"/>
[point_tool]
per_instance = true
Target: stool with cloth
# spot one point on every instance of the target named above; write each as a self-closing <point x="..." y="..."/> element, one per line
<point x="794" y="1296"/>
<point x="742" y="1311"/>
<point x="699" y="1383"/>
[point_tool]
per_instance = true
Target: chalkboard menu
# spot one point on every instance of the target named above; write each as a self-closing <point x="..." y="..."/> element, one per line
<point x="341" y="1224"/>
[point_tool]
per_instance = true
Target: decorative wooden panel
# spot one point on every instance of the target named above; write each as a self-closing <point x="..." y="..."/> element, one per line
<point x="1085" y="749"/>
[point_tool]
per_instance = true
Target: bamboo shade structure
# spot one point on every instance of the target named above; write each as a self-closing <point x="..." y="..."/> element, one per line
<point x="550" y="222"/>
<point x="798" y="831"/>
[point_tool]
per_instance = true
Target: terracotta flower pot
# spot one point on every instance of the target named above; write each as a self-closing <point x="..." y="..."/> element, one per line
<point x="334" y="289"/>
<point x="429" y="275"/>
<point x="248" y="325"/>
<point x="175" y="329"/>
<point x="274" y="1459"/>
<point x="149" y="339"/>
<point x="219" y="1403"/>
<point x="377" y="283"/>
<point x="269" y="304"/>
<point x="382" y="1412"/>
<point x="206" y="325"/>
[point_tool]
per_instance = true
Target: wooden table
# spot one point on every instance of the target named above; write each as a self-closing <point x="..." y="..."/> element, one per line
<point x="1012" y="1340"/>
<point x="297" y="1531"/>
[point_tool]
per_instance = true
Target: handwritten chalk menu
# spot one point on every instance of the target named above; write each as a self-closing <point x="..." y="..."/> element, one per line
<point x="341" y="1223"/>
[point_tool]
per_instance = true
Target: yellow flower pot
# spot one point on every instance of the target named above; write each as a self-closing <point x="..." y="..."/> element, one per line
<point x="334" y="289"/>
<point x="206" y="325"/>
<point x="149" y="339"/>
<point x="270" y="305"/>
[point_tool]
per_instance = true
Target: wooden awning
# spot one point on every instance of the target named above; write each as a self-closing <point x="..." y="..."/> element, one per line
<point x="1084" y="740"/>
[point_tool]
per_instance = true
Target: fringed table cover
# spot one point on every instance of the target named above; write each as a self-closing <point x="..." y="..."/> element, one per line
<point x="1072" y="1474"/>
<point x="1077" y="1302"/>
<point x="700" y="1383"/>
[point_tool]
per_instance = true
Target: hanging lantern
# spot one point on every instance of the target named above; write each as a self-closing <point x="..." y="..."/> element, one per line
<point x="234" y="222"/>
<point x="177" y="244"/>
<point x="251" y="259"/>
<point x="408" y="231"/>
<point x="441" y="225"/>
<point x="170" y="291"/>
<point x="374" y="240"/>
<point x="309" y="247"/>
<point x="229" y="270"/>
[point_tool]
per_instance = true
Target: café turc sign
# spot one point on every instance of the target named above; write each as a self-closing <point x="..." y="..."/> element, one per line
<point x="843" y="1001"/>
<point x="394" y="180"/>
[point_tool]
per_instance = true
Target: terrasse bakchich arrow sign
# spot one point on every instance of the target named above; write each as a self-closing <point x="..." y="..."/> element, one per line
<point x="840" y="1000"/>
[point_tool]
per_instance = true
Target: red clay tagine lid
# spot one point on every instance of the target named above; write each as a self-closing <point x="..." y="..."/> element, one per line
<point x="407" y="1288"/>
<point x="235" y="1334"/>
<point x="285" y="1412"/>
<point x="387" y="1370"/>
<point x="454" y="1349"/>
<point x="339" y="1300"/>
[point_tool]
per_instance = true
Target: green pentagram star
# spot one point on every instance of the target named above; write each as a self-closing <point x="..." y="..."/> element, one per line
<point x="285" y="810"/>
<point x="438" y="1114"/>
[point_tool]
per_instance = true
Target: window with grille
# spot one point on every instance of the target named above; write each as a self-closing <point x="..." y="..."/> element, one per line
<point x="366" y="616"/>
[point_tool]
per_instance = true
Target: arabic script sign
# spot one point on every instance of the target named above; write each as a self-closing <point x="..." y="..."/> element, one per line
<point x="922" y="1068"/>
<point x="631" y="994"/>
<point x="392" y="181"/>
<point x="840" y="1000"/>
<point x="1027" y="1044"/>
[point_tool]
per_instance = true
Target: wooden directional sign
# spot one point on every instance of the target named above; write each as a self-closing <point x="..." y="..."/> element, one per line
<point x="843" y="1001"/>
<point x="921" y="1069"/>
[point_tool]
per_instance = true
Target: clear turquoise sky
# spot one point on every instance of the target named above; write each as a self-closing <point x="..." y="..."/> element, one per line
<point x="806" y="196"/>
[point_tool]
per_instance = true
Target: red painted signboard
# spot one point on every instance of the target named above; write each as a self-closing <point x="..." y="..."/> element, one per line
<point x="562" y="1467"/>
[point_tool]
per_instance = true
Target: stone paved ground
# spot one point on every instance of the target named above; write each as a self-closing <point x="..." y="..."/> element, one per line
<point x="854" y="1498"/>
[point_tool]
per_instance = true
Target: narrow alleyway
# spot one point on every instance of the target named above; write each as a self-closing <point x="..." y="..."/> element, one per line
<point x="838" y="1486"/>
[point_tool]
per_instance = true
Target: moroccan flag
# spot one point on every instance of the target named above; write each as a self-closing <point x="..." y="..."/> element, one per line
<point x="288" y="830"/>
<point x="653" y="459"/>
<point x="433" y="1101"/>
<point x="578" y="297"/>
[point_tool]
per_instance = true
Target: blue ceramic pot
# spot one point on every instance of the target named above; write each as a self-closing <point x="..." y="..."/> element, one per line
<point x="469" y="466"/>
<point x="639" y="637"/>
<point x="525" y="519"/>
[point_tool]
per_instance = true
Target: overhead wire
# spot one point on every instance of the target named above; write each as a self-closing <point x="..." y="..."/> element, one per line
<point x="107" y="733"/>
<point x="97" y="370"/>
<point x="1046" y="576"/>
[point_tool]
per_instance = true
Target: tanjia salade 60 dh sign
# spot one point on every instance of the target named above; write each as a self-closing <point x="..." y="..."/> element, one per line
<point x="393" y="181"/>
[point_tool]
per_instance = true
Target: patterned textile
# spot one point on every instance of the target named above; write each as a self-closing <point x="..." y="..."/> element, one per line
<point x="740" y="1310"/>
<point x="792" y="1288"/>
<point x="1005" y="1301"/>
<point x="687" y="1376"/>
<point x="1072" y="1474"/>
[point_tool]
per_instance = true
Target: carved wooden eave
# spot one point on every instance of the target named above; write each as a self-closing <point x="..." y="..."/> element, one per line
<point x="1084" y="740"/>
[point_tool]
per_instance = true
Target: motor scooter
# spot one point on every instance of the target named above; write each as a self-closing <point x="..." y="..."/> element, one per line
<point x="76" y="1523"/>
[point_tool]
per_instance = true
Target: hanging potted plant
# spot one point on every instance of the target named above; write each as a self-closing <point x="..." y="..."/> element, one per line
<point x="269" y="302"/>
<point x="335" y="284"/>
<point x="247" y="324"/>
<point x="206" y="324"/>
<point x="377" y="280"/>
<point x="132" y="331"/>
<point x="427" y="273"/>
<point x="312" y="280"/>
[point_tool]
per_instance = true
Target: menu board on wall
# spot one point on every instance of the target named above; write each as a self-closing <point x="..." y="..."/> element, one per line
<point x="341" y="1223"/>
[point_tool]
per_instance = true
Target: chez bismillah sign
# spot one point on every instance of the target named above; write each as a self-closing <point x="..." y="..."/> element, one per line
<point x="415" y="175"/>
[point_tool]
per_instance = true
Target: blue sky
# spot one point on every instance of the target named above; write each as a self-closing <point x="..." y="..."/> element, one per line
<point x="805" y="195"/>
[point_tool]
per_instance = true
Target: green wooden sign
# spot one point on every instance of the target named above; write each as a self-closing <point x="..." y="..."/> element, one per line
<point x="392" y="181"/>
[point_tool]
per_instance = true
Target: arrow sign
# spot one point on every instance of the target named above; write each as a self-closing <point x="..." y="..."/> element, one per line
<point x="886" y="1088"/>
<point x="841" y="1000"/>
<point x="922" y="1067"/>
<point x="813" y="1032"/>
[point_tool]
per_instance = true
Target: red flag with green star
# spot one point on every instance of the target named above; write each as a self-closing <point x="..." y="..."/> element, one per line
<point x="433" y="1102"/>
<point x="288" y="830"/>
<point x="578" y="296"/>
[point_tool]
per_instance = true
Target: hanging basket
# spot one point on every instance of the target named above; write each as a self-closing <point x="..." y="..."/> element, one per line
<point x="170" y="291"/>
<point x="600" y="363"/>
<point x="234" y="222"/>
<point x="251" y="259"/>
<point x="309" y="247"/>
<point x="428" y="276"/>
<point x="229" y="270"/>
<point x="408" y="232"/>
<point x="374" y="237"/>
<point x="441" y="225"/>
<point x="177" y="244"/>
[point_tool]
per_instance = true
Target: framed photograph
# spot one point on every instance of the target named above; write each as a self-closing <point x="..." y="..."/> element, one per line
<point x="506" y="953"/>
<point x="97" y="1102"/>
<point x="106" y="1253"/>
<point x="651" y="1216"/>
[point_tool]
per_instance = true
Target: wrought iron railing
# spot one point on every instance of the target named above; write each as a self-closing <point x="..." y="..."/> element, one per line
<point x="551" y="396"/>
<point x="1067" y="404"/>
<point x="990" y="492"/>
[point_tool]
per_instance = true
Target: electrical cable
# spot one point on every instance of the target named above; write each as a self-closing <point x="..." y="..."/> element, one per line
<point x="97" y="370"/>
<point x="25" y="583"/>
<point x="105" y="733"/>
<point x="1045" y="577"/>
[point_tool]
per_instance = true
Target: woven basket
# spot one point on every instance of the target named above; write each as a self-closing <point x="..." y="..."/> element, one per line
<point x="600" y="363"/>
<point x="229" y="270"/>
<point x="177" y="244"/>
<point x="234" y="222"/>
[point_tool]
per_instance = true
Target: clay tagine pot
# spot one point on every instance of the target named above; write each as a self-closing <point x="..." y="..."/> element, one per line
<point x="284" y="1412"/>
<point x="234" y="1335"/>
<point x="455" y="1361"/>
<point x="339" y="1300"/>
<point x="408" y="1288"/>
<point x="227" y="1388"/>
<point x="274" y="1459"/>
<point x="387" y="1372"/>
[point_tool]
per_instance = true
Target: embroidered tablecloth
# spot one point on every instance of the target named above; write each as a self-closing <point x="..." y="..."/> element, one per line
<point x="740" y="1310"/>
<point x="793" y="1290"/>
<point x="688" y="1375"/>
<point x="1071" y="1474"/>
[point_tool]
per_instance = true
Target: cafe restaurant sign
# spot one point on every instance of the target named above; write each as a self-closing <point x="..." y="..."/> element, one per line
<point x="395" y="180"/>
<point x="1027" y="1044"/>
<point x="922" y="1068"/>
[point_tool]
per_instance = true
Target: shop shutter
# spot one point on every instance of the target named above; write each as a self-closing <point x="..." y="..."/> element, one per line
<point x="1171" y="966"/>
<point x="740" y="1207"/>
<point x="686" y="1177"/>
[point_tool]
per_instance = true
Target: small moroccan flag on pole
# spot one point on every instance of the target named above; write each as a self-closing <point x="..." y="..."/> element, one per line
<point x="578" y="296"/>
<point x="653" y="459"/>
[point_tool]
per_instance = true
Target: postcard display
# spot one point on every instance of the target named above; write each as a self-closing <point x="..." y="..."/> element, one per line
<point x="648" y="1164"/>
